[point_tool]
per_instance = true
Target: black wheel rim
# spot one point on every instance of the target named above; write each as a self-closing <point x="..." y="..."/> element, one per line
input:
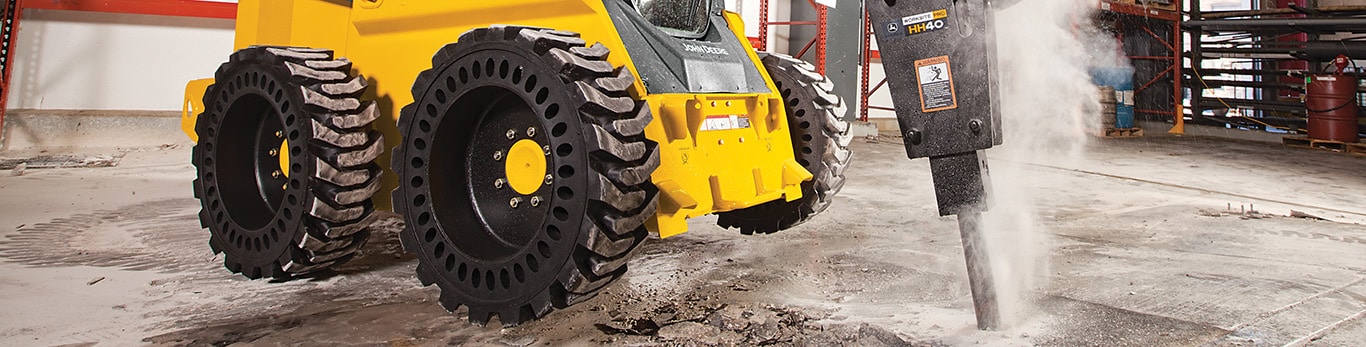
<point x="254" y="204"/>
<point x="492" y="121"/>
<point x="250" y="128"/>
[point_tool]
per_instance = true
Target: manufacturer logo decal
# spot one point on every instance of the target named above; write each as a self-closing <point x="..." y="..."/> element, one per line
<point x="705" y="49"/>
<point x="925" y="22"/>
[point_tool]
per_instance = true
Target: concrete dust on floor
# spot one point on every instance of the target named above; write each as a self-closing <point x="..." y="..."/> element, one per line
<point x="1143" y="250"/>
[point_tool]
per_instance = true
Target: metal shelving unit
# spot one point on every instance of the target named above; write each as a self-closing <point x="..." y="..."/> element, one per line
<point x="1277" y="48"/>
<point x="865" y="76"/>
<point x="1151" y="39"/>
<point x="822" y="13"/>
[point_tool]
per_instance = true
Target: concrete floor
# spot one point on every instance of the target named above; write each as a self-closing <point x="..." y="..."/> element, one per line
<point x="1144" y="242"/>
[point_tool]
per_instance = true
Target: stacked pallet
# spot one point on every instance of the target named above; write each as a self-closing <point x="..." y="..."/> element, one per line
<point x="1116" y="132"/>
<point x="1165" y="5"/>
<point x="1358" y="148"/>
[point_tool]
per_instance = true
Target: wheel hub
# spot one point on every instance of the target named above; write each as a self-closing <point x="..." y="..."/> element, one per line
<point x="284" y="157"/>
<point x="251" y="125"/>
<point x="525" y="167"/>
<point x="503" y="172"/>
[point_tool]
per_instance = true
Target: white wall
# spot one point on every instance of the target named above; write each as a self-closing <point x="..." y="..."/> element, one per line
<point x="68" y="60"/>
<point x="102" y="61"/>
<point x="778" y="11"/>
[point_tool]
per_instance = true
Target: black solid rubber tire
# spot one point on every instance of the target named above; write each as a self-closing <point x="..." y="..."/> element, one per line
<point x="820" y="139"/>
<point x="318" y="216"/>
<point x="593" y="221"/>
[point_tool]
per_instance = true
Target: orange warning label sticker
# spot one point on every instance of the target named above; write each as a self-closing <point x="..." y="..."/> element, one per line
<point x="936" y="84"/>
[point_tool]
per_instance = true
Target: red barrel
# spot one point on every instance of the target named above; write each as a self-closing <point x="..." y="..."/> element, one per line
<point x="1332" y="106"/>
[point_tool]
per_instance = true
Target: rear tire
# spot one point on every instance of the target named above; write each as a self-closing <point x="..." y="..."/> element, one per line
<point x="820" y="139"/>
<point x="485" y="230"/>
<point x="284" y="217"/>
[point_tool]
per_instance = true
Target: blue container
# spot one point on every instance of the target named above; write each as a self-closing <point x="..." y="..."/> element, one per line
<point x="1122" y="79"/>
<point x="1124" y="116"/>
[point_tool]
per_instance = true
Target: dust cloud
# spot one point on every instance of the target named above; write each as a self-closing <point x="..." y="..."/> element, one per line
<point x="1049" y="108"/>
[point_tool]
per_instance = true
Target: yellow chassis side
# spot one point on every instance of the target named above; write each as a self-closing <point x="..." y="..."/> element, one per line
<point x="391" y="41"/>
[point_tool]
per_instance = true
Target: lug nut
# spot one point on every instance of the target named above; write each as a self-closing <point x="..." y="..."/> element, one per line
<point x="549" y="179"/>
<point x="498" y="155"/>
<point x="279" y="134"/>
<point x="547" y="150"/>
<point x="276" y="174"/>
<point x="531" y="132"/>
<point x="500" y="183"/>
<point x="512" y="134"/>
<point x="535" y="201"/>
<point x="514" y="202"/>
<point x="274" y="152"/>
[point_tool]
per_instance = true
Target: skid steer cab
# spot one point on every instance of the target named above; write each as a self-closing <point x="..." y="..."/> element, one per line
<point x="530" y="145"/>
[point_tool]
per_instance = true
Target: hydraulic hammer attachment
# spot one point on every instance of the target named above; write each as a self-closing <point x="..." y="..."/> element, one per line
<point x="940" y="58"/>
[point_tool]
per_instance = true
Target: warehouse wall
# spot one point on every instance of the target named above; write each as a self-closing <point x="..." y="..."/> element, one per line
<point x="101" y="61"/>
<point x="778" y="10"/>
<point x="789" y="40"/>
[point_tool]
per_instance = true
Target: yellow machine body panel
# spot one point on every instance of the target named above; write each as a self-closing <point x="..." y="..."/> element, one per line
<point x="193" y="106"/>
<point x="703" y="169"/>
<point x="319" y="23"/>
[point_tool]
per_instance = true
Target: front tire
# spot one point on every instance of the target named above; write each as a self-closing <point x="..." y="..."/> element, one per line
<point x="285" y="162"/>
<point x="524" y="173"/>
<point x="820" y="139"/>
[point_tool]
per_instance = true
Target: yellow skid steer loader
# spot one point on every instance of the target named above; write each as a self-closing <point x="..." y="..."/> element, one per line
<point x="530" y="145"/>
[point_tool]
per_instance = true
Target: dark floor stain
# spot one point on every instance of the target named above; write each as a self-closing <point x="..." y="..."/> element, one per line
<point x="1090" y="324"/>
<point x="160" y="235"/>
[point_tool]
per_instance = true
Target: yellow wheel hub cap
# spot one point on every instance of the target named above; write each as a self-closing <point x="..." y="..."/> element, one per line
<point x="284" y="157"/>
<point x="526" y="164"/>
